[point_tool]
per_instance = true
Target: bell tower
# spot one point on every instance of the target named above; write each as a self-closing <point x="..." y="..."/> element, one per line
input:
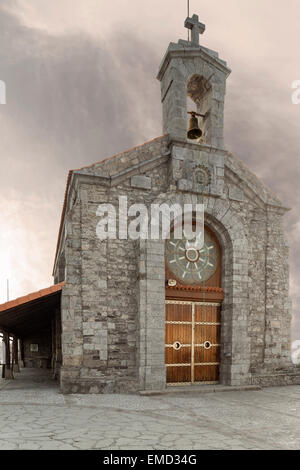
<point x="192" y="73"/>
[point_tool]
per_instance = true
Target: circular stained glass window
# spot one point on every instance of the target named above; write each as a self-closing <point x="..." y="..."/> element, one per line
<point x="190" y="264"/>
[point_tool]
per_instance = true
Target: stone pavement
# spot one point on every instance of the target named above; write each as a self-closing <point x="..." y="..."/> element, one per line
<point x="35" y="415"/>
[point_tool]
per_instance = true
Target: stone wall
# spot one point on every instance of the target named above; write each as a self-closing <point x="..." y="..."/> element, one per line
<point x="42" y="357"/>
<point x="100" y="299"/>
<point x="113" y="301"/>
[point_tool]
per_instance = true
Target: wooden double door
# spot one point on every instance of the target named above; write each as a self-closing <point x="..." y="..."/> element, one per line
<point x="192" y="349"/>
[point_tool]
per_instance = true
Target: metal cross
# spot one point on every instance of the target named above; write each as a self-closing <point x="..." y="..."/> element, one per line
<point x="196" y="27"/>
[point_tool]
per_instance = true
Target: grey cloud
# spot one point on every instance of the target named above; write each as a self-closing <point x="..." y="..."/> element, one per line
<point x="72" y="97"/>
<point x="261" y="129"/>
<point x="73" y="100"/>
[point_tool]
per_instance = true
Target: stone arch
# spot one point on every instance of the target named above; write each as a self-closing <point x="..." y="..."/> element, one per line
<point x="235" y="340"/>
<point x="199" y="92"/>
<point x="235" y="351"/>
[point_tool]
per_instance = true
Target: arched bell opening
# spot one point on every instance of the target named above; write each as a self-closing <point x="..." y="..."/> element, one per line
<point x="199" y="94"/>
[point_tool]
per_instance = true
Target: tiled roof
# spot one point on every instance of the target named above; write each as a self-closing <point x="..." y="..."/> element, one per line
<point x="30" y="297"/>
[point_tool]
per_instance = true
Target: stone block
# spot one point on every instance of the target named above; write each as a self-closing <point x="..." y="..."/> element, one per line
<point x="236" y="194"/>
<point x="185" y="185"/>
<point x="141" y="182"/>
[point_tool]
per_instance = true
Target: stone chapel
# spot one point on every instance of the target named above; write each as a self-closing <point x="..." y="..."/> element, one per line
<point x="137" y="315"/>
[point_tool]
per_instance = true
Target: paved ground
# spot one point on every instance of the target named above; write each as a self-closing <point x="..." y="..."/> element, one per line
<point x="34" y="415"/>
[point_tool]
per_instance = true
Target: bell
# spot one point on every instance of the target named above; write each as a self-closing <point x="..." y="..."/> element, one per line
<point x="194" y="132"/>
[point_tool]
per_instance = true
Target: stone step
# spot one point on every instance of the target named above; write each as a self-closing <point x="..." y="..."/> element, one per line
<point x="199" y="389"/>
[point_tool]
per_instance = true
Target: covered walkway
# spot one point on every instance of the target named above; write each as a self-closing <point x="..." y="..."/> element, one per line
<point x="30" y="379"/>
<point x="30" y="331"/>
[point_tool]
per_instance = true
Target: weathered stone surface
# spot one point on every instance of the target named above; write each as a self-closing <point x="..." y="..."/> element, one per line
<point x="113" y="303"/>
<point x="181" y="68"/>
<point x="236" y="194"/>
<point x="141" y="182"/>
<point x="185" y="185"/>
<point x="130" y="421"/>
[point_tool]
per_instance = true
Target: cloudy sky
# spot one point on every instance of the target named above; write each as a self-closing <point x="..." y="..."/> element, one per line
<point x="80" y="78"/>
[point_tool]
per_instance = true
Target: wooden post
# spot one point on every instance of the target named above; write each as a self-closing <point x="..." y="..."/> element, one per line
<point x="58" y="343"/>
<point x="8" y="373"/>
<point x="21" y="353"/>
<point x="3" y="355"/>
<point x="53" y="355"/>
<point x="16" y="367"/>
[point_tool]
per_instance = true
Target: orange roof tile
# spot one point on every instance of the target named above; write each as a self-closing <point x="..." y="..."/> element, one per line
<point x="30" y="297"/>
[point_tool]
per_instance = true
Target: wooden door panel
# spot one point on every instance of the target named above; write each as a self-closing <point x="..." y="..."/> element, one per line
<point x="188" y="326"/>
<point x="207" y="333"/>
<point x="178" y="312"/>
<point x="181" y="333"/>
<point x="206" y="355"/>
<point x="207" y="313"/>
<point x="206" y="373"/>
<point x="183" y="356"/>
<point x="178" y="374"/>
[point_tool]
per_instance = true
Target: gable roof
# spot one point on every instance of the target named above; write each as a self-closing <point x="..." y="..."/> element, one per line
<point x="89" y="167"/>
<point x="252" y="182"/>
<point x="108" y="168"/>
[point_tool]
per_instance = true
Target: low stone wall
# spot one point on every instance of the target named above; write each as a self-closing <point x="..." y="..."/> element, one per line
<point x="278" y="379"/>
<point x="71" y="382"/>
